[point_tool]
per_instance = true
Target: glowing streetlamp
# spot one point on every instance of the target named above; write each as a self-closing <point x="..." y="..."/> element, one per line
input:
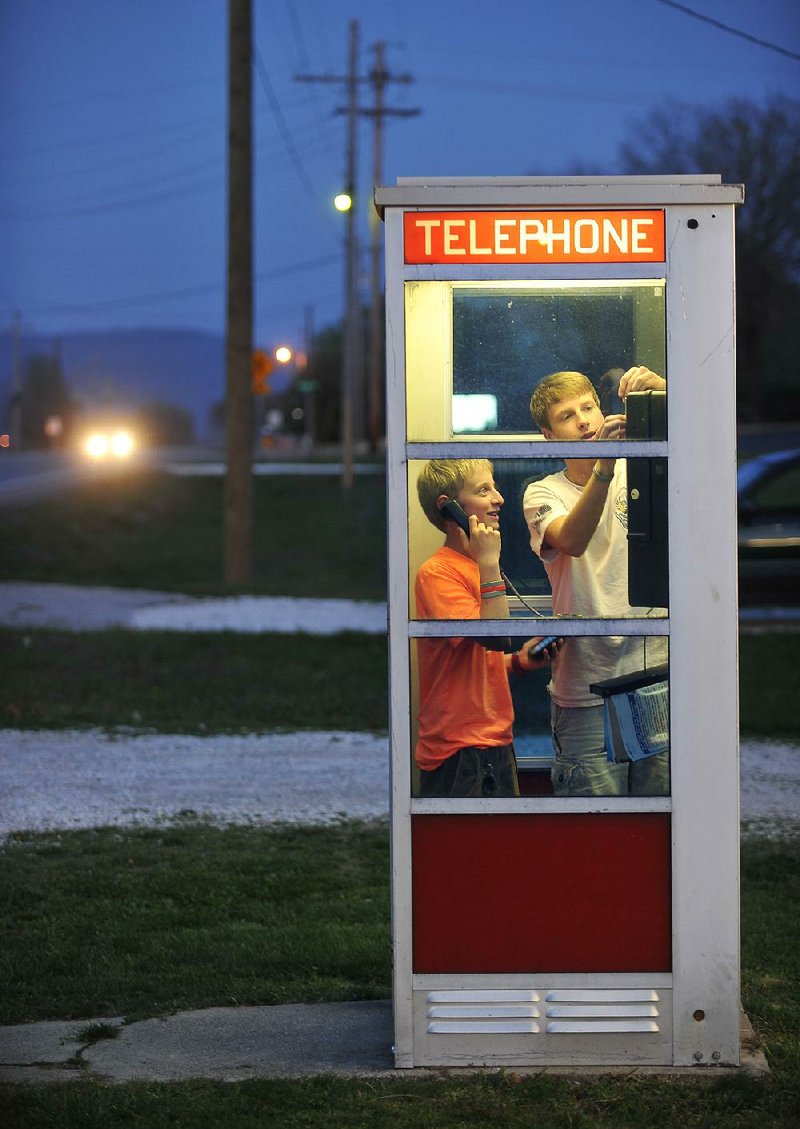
<point x="343" y="202"/>
<point x="283" y="354"/>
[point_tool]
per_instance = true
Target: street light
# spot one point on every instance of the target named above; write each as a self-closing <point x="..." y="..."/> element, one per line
<point x="343" y="202"/>
<point x="283" y="354"/>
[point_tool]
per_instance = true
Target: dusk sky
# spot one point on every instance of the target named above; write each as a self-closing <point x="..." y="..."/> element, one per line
<point x="112" y="156"/>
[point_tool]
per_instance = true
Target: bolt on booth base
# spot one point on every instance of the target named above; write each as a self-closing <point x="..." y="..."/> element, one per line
<point x="555" y="928"/>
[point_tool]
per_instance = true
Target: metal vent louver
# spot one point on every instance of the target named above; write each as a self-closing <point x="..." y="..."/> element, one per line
<point x="500" y="1011"/>
<point x="601" y="1011"/>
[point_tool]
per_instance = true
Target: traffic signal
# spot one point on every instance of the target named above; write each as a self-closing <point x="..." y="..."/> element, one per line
<point x="261" y="366"/>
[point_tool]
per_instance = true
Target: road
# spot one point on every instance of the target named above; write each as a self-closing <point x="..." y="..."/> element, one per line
<point x="27" y="476"/>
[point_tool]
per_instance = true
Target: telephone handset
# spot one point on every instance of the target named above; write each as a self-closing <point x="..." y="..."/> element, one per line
<point x="455" y="512"/>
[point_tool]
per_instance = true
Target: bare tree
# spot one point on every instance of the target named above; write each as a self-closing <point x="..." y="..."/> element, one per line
<point x="759" y="146"/>
<point x="45" y="399"/>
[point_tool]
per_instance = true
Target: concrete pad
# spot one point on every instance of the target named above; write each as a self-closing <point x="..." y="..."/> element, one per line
<point x="231" y="1044"/>
<point x="44" y="1052"/>
<point x="290" y="1040"/>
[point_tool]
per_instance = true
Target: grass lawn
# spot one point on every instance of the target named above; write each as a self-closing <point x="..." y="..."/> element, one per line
<point x="768" y="670"/>
<point x="506" y="1101"/>
<point x="192" y="916"/>
<point x="215" y="682"/>
<point x="197" y="916"/>
<point x="154" y="530"/>
<point x="223" y="682"/>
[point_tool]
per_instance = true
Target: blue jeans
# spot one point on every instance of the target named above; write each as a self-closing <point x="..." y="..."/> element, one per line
<point x="582" y="767"/>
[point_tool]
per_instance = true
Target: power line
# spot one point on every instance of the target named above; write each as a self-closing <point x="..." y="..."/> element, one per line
<point x="731" y="30"/>
<point x="107" y="140"/>
<point x="110" y="94"/>
<point x="134" y="203"/>
<point x="176" y="295"/>
<point x="303" y="60"/>
<point x="109" y="200"/>
<point x="542" y="91"/>
<point x="351" y="353"/>
<point x="283" y="129"/>
<point x="379" y="77"/>
<point x="297" y="32"/>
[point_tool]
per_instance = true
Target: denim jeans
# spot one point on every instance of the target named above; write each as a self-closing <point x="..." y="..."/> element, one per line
<point x="582" y="767"/>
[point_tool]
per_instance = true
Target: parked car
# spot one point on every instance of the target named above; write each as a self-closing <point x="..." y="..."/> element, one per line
<point x="769" y="528"/>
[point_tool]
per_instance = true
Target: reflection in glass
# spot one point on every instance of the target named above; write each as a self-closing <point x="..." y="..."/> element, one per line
<point x="464" y="720"/>
<point x="602" y="688"/>
<point x="474" y="413"/>
<point x="506" y="340"/>
<point x="616" y="743"/>
<point x="641" y="581"/>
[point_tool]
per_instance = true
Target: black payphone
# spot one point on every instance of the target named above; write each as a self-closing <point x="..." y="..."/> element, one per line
<point x="648" y="573"/>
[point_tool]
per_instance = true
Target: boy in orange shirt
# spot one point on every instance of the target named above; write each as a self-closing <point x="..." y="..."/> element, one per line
<point x="464" y="745"/>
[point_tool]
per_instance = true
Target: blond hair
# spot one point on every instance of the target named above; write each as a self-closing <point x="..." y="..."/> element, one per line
<point x="556" y="387"/>
<point x="444" y="476"/>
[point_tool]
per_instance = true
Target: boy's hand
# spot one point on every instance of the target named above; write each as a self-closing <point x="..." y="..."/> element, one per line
<point x="483" y="545"/>
<point x="540" y="660"/>
<point x="640" y="379"/>
<point x="612" y="427"/>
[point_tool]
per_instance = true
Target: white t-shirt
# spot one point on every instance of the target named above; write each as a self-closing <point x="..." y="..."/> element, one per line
<point x="593" y="585"/>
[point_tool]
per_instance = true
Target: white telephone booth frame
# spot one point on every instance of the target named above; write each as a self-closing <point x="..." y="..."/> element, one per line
<point x="696" y="1005"/>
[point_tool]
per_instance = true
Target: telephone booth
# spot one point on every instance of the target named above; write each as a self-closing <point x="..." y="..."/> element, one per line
<point x="581" y="930"/>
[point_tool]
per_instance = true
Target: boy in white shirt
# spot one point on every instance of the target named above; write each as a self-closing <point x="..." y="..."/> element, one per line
<point x="578" y="522"/>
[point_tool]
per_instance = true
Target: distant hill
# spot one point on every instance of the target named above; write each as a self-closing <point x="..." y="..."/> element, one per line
<point x="125" y="368"/>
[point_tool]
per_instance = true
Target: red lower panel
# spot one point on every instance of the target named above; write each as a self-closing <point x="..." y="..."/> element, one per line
<point x="549" y="893"/>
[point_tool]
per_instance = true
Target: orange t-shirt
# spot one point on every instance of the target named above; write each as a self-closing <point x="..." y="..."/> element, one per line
<point x="463" y="688"/>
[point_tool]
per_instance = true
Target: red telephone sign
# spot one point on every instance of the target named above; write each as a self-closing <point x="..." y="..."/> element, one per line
<point x="534" y="237"/>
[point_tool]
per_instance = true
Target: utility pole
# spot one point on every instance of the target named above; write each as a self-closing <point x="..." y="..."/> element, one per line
<point x="309" y="392"/>
<point x="378" y="78"/>
<point x="239" y="330"/>
<point x="15" y="421"/>
<point x="352" y="351"/>
<point x="351" y="368"/>
<point x="352" y="335"/>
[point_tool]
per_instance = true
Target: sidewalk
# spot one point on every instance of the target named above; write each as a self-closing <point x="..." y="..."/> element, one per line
<point x="74" y="608"/>
<point x="234" y="1044"/>
<point x="68" y="780"/>
<point x="224" y="1044"/>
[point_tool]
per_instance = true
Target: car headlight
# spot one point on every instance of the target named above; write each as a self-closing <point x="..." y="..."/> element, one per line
<point x="96" y="445"/>
<point x="121" y="444"/>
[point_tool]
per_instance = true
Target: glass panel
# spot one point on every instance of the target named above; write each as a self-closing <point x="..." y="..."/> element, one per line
<point x="779" y="494"/>
<point x="504" y="343"/>
<point x="476" y="351"/>
<point x="602" y="693"/>
<point x="622" y="572"/>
